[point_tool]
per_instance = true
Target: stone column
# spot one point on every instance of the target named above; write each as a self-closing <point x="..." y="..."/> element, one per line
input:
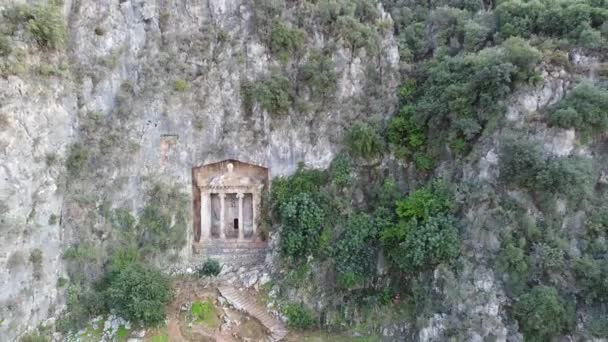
<point x="205" y="226"/>
<point x="255" y="203"/>
<point x="241" y="222"/>
<point x="222" y="215"/>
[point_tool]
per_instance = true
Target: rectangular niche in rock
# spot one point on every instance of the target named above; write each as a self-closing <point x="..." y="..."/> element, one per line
<point x="227" y="197"/>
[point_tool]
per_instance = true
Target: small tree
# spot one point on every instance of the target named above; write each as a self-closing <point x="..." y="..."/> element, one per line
<point x="139" y="294"/>
<point x="211" y="267"/>
<point x="364" y="141"/>
<point x="303" y="220"/>
<point x="542" y="314"/>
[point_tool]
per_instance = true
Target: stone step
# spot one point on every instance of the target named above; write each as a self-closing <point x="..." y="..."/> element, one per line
<point x="241" y="302"/>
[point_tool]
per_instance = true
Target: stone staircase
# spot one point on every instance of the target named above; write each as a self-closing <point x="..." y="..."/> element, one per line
<point x="240" y="301"/>
<point x="233" y="253"/>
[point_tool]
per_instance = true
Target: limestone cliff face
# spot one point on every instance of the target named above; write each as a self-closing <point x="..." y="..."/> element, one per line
<point x="118" y="100"/>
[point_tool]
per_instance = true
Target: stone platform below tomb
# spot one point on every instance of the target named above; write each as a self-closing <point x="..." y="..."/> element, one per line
<point x="231" y="252"/>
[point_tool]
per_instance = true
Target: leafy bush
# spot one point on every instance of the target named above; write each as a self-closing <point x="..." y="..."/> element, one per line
<point x="302" y="181"/>
<point x="542" y="314"/>
<point x="403" y="131"/>
<point x="585" y="108"/>
<point x="211" y="267"/>
<point x="273" y="93"/>
<point x="77" y="159"/>
<point x="298" y="316"/>
<point x="163" y="221"/>
<point x="572" y="177"/>
<point x="43" y="22"/>
<point x="203" y="312"/>
<point x="303" y="220"/>
<point x="364" y="141"/>
<point x="563" y="19"/>
<point x="47" y="26"/>
<point x="456" y="97"/>
<point x="426" y="234"/>
<point x="285" y="41"/>
<point x="36" y="260"/>
<point x="5" y="45"/>
<point x="139" y="294"/>
<point x="426" y="202"/>
<point x="81" y="304"/>
<point x="180" y="85"/>
<point x="428" y="244"/>
<point x="357" y="35"/>
<point x="319" y="75"/>
<point x="354" y="252"/>
<point x="519" y="53"/>
<point x="522" y="163"/>
<point x="475" y="36"/>
<point x="592" y="279"/>
<point x="340" y="170"/>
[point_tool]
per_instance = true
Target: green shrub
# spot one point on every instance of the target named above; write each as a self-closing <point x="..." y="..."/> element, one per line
<point x="285" y="41"/>
<point x="563" y="19"/>
<point x="318" y="75"/>
<point x="203" y="311"/>
<point x="596" y="222"/>
<point x="364" y="141"/>
<point x="354" y="253"/>
<point x="47" y="26"/>
<point x="303" y="220"/>
<point x="81" y="305"/>
<point x="591" y="39"/>
<point x="139" y="294"/>
<point x="36" y="260"/>
<point x="542" y="314"/>
<point x="302" y="181"/>
<point x="585" y="108"/>
<point x="163" y="221"/>
<point x="180" y="85"/>
<point x="210" y="268"/>
<point x="522" y="163"/>
<point x="273" y="93"/>
<point x="428" y="244"/>
<point x="35" y="336"/>
<point x="5" y="45"/>
<point x="475" y="36"/>
<point x="426" y="234"/>
<point x="357" y="35"/>
<point x="77" y="160"/>
<point x="514" y="261"/>
<point x="592" y="279"/>
<point x="298" y="316"/>
<point x="61" y="282"/>
<point x="598" y="322"/>
<point x="43" y="22"/>
<point x="405" y="132"/>
<point x="571" y="177"/>
<point x="519" y="53"/>
<point x="428" y="201"/>
<point x="340" y="170"/>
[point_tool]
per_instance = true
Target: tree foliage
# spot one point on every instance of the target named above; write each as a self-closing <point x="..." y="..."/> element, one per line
<point x="354" y="252"/>
<point x="303" y="220"/>
<point x="585" y="108"/>
<point x="542" y="314"/>
<point x="139" y="294"/>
